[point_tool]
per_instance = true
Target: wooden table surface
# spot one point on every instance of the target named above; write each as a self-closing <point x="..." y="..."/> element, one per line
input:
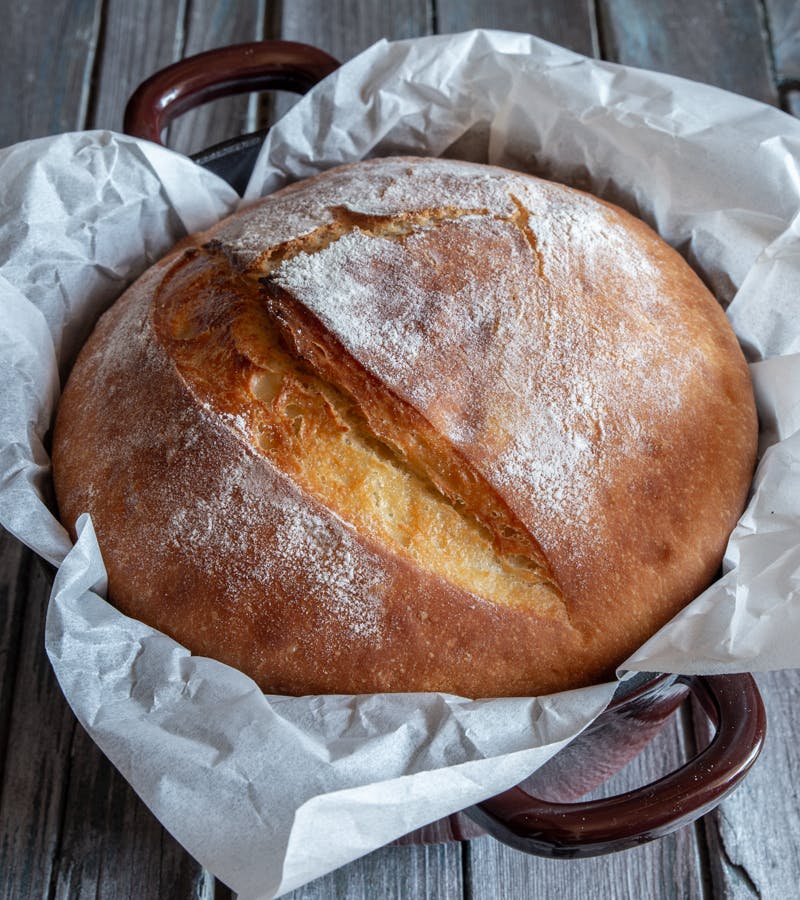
<point x="69" y="825"/>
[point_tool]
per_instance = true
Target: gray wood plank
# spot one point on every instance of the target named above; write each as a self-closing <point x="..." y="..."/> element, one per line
<point x="721" y="43"/>
<point x="393" y="873"/>
<point x="344" y="28"/>
<point x="668" y="868"/>
<point x="36" y="771"/>
<point x="754" y="836"/>
<point x="783" y="23"/>
<point x="217" y="23"/>
<point x="48" y="51"/>
<point x="570" y="23"/>
<point x="136" y="40"/>
<point x="111" y="844"/>
<point x="14" y="563"/>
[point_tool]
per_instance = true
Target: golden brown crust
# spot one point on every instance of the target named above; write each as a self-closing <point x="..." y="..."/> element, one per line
<point x="540" y="377"/>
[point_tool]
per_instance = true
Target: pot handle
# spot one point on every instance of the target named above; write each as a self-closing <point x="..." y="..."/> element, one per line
<point x="238" y="69"/>
<point x="594" y="827"/>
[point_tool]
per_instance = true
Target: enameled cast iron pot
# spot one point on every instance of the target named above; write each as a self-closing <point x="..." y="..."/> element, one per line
<point x="543" y="815"/>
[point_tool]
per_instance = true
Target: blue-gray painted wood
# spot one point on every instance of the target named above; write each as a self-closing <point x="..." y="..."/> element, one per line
<point x="570" y="23"/>
<point x="721" y="42"/>
<point x="783" y="27"/>
<point x="136" y="40"/>
<point x="47" y="51"/>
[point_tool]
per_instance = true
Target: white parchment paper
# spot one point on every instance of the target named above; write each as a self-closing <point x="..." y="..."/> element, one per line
<point x="270" y="792"/>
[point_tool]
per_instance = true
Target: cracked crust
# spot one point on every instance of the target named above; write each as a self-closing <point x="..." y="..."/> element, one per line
<point x="412" y="425"/>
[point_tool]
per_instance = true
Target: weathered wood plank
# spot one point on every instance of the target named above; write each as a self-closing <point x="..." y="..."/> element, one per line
<point x="111" y="845"/>
<point x="570" y="23"/>
<point x="48" y="51"/>
<point x="36" y="771"/>
<point x="393" y="873"/>
<point x="783" y="23"/>
<point x="217" y="23"/>
<point x="668" y="868"/>
<point x="14" y="563"/>
<point x="344" y="28"/>
<point x="137" y="39"/>
<point x="721" y="43"/>
<point x="753" y="835"/>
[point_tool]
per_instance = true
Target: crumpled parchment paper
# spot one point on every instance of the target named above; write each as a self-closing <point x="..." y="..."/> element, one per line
<point x="270" y="792"/>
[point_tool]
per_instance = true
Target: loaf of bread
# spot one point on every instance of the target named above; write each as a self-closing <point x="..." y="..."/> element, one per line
<point x="411" y="425"/>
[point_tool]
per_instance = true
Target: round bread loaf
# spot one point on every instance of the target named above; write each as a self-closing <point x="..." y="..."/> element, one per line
<point x="411" y="425"/>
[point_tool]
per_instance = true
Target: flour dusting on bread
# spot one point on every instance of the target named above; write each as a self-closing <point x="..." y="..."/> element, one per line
<point x="412" y="425"/>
